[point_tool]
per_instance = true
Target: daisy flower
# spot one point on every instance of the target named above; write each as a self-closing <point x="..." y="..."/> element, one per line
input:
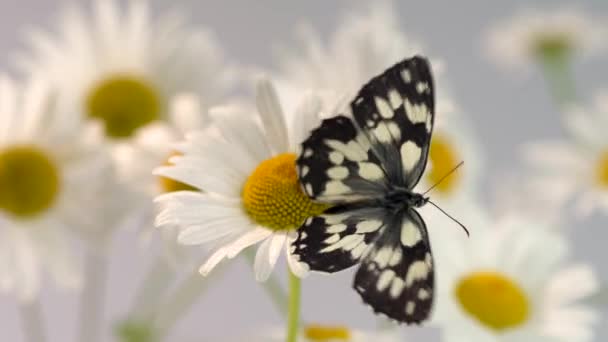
<point x="368" y="42"/>
<point x="327" y="333"/>
<point x="251" y="190"/>
<point x="545" y="35"/>
<point x="44" y="161"/>
<point x="576" y="168"/>
<point x="123" y="69"/>
<point x="512" y="283"/>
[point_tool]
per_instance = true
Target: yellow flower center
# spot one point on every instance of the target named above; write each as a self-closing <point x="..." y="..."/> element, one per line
<point x="326" y="333"/>
<point x="443" y="158"/>
<point x="493" y="299"/>
<point x="602" y="170"/>
<point x="172" y="185"/>
<point x="124" y="104"/>
<point x="552" y="46"/>
<point x="272" y="196"/>
<point x="29" y="181"/>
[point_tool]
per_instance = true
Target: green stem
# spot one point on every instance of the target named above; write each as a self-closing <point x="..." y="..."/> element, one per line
<point x="559" y="77"/>
<point x="293" y="314"/>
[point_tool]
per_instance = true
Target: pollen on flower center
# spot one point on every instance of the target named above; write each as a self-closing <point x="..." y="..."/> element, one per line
<point x="493" y="299"/>
<point x="170" y="184"/>
<point x="272" y="195"/>
<point x="443" y="158"/>
<point x="29" y="181"/>
<point x="602" y="170"/>
<point x="124" y="103"/>
<point x="326" y="333"/>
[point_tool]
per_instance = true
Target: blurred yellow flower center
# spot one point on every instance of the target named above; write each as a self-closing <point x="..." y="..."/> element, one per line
<point x="443" y="158"/>
<point x="493" y="299"/>
<point x="170" y="184"/>
<point x="29" y="181"/>
<point x="602" y="170"/>
<point x="272" y="195"/>
<point x="552" y="46"/>
<point x="326" y="333"/>
<point x="124" y="104"/>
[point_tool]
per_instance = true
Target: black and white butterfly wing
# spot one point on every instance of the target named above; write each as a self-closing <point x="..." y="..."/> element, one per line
<point x="339" y="238"/>
<point x="396" y="277"/>
<point x="336" y="164"/>
<point x="395" y="111"/>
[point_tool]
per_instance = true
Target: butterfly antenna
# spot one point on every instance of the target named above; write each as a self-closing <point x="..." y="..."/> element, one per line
<point x="444" y="177"/>
<point x="452" y="218"/>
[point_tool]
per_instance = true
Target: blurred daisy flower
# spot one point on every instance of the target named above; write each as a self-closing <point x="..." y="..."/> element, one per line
<point x="124" y="69"/>
<point x="369" y="41"/>
<point x="251" y="190"/>
<point x="327" y="333"/>
<point x="512" y="283"/>
<point x="151" y="148"/>
<point x="578" y="167"/>
<point x="45" y="160"/>
<point x="545" y="36"/>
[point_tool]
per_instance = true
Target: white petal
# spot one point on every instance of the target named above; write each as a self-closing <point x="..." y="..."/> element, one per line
<point x="276" y="246"/>
<point x="263" y="264"/>
<point x="213" y="260"/>
<point x="211" y="231"/>
<point x="305" y="120"/>
<point x="250" y="238"/>
<point x="272" y="116"/>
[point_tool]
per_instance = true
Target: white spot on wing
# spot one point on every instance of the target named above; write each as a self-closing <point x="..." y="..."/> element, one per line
<point x="351" y="150"/>
<point x="396" y="257"/>
<point x="370" y="171"/>
<point x="397" y="287"/>
<point x="332" y="239"/>
<point x="368" y="226"/>
<point x="382" y="133"/>
<point x="337" y="172"/>
<point x="336" y="228"/>
<point x="416" y="113"/>
<point x="383" y="256"/>
<point x="347" y="243"/>
<point x="394" y="98"/>
<point x="422" y="87"/>
<point x="358" y="251"/>
<point x="335" y="187"/>
<point x="394" y="129"/>
<point x="385" y="280"/>
<point x="410" y="234"/>
<point x="410" y="155"/>
<point x="418" y="270"/>
<point x="384" y="108"/>
<point x="406" y="76"/>
<point x="307" y="153"/>
<point x="308" y="188"/>
<point x="423" y="294"/>
<point x="304" y="170"/>
<point x="410" y="307"/>
<point x="336" y="157"/>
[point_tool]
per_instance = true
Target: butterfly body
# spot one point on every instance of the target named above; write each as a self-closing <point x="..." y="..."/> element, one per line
<point x="365" y="165"/>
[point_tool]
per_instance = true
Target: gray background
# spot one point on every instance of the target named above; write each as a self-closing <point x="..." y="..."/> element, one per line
<point x="506" y="110"/>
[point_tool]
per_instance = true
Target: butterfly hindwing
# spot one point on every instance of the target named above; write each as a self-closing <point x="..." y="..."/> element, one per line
<point x="336" y="165"/>
<point x="339" y="238"/>
<point x="395" y="110"/>
<point x="396" y="277"/>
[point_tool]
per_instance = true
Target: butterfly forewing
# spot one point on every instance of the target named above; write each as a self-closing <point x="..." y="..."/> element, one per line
<point x="336" y="164"/>
<point x="396" y="277"/>
<point x="395" y="110"/>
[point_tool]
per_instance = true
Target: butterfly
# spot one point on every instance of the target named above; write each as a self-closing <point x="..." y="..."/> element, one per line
<point x="365" y="165"/>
